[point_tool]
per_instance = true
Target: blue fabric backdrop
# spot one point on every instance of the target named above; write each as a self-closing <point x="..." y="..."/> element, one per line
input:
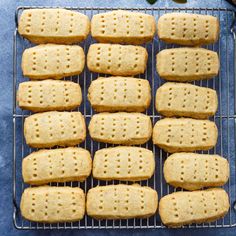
<point x="7" y="9"/>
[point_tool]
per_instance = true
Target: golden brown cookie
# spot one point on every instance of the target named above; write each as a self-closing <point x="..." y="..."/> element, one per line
<point x="182" y="99"/>
<point x="56" y="165"/>
<point x="52" y="61"/>
<point x="53" y="204"/>
<point x="49" y="95"/>
<point x="54" y="26"/>
<point x="181" y="208"/>
<point x="123" y="163"/>
<point x="187" y="64"/>
<point x="120" y="128"/>
<point x="193" y="171"/>
<point x="115" y="59"/>
<point x="184" y="134"/>
<point x="48" y="129"/>
<point x="121" y="202"/>
<point x="188" y="29"/>
<point x="123" y="27"/>
<point x="119" y="94"/>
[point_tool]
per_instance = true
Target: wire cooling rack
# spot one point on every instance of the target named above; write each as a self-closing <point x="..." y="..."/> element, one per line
<point x="225" y="117"/>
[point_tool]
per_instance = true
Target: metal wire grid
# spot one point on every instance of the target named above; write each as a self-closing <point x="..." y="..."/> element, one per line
<point x="225" y="120"/>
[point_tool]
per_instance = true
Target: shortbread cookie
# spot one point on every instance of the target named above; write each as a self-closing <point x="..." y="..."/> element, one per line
<point x="121" y="128"/>
<point x="117" y="59"/>
<point x="181" y="99"/>
<point x="119" y="94"/>
<point x="49" y="95"/>
<point x="52" y="61"/>
<point x="121" y="202"/>
<point x="187" y="64"/>
<point x="123" y="163"/>
<point x="181" y="208"/>
<point x="188" y="29"/>
<point x="53" y="26"/>
<point x="184" y="134"/>
<point x="56" y="165"/>
<point x="123" y="27"/>
<point x="49" y="129"/>
<point x="53" y="204"/>
<point x="193" y="171"/>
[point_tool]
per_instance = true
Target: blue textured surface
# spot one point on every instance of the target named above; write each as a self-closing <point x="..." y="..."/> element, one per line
<point x="7" y="9"/>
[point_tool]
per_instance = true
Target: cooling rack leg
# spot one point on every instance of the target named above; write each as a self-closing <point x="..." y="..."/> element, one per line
<point x="233" y="31"/>
<point x="15" y="207"/>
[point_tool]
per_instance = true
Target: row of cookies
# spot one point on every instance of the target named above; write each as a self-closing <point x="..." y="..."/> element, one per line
<point x="75" y="164"/>
<point x="104" y="94"/>
<point x="67" y="27"/>
<point x="126" y="163"/>
<point x="51" y="61"/>
<point x="163" y="136"/>
<point x="49" y="204"/>
<point x="184" y="28"/>
<point x="119" y="94"/>
<point x="127" y="97"/>
<point x="48" y="129"/>
<point x="53" y="128"/>
<point x="202" y="177"/>
<point x="67" y="204"/>
<point x="190" y="171"/>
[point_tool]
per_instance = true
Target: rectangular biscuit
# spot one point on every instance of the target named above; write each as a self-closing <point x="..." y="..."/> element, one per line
<point x="52" y="61"/>
<point x="123" y="27"/>
<point x="121" y="202"/>
<point x="53" y="204"/>
<point x="56" y="165"/>
<point x="119" y="94"/>
<point x="53" y="26"/>
<point x="188" y="29"/>
<point x="48" y="129"/>
<point x="123" y="163"/>
<point x="193" y="171"/>
<point x="120" y="128"/>
<point x="117" y="59"/>
<point x="181" y="99"/>
<point x="181" y="208"/>
<point x="49" y="95"/>
<point x="187" y="64"/>
<point x="184" y="134"/>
